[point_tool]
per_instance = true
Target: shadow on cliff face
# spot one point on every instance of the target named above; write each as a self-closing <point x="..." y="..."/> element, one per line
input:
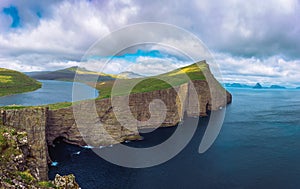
<point x="92" y="171"/>
<point x="161" y="134"/>
<point x="60" y="150"/>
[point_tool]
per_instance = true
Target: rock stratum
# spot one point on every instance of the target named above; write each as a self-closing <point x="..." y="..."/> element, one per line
<point x="18" y="165"/>
<point x="108" y="121"/>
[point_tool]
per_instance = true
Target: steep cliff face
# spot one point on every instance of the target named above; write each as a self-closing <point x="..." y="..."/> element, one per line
<point x="102" y="122"/>
<point x="16" y="164"/>
<point x="33" y="122"/>
<point x="99" y="125"/>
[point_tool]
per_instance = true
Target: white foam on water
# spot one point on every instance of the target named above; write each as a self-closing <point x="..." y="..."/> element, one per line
<point x="54" y="164"/>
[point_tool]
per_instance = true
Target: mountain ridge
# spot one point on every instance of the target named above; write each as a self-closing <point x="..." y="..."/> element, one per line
<point x="81" y="73"/>
<point x="69" y="74"/>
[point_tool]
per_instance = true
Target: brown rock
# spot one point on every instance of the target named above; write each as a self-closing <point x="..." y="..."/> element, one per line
<point x="65" y="182"/>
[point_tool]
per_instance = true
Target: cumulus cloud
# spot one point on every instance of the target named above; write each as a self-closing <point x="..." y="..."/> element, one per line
<point x="272" y="70"/>
<point x="251" y="40"/>
<point x="144" y="65"/>
<point x="67" y="32"/>
<point x="240" y="28"/>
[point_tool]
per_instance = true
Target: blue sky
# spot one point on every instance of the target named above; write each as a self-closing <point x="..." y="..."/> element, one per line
<point x="252" y="41"/>
<point x="13" y="13"/>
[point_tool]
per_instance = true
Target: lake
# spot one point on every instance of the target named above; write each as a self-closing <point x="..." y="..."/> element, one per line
<point x="258" y="147"/>
<point x="50" y="92"/>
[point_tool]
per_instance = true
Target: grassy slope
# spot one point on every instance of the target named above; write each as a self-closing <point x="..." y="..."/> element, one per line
<point x="173" y="78"/>
<point x="12" y="82"/>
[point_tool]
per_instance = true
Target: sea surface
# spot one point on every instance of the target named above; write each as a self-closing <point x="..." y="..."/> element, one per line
<point x="258" y="147"/>
<point x="50" y="92"/>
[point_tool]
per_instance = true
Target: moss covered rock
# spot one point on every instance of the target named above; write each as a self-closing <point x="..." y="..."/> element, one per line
<point x="15" y="166"/>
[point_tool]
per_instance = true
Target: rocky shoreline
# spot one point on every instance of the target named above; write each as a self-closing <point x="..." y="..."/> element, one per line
<point x="16" y="164"/>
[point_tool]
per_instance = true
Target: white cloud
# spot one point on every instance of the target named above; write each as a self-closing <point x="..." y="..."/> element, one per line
<point x="273" y="70"/>
<point x="145" y="65"/>
<point x="155" y="66"/>
<point x="254" y="41"/>
<point x="72" y="28"/>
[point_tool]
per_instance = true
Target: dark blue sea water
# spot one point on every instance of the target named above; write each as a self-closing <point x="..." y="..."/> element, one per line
<point x="258" y="147"/>
<point x="51" y="92"/>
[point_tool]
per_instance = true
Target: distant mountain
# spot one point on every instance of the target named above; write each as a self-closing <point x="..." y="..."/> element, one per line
<point x="68" y="74"/>
<point x="257" y="86"/>
<point x="30" y="74"/>
<point x="277" y="87"/>
<point x="238" y="85"/>
<point x="129" y="75"/>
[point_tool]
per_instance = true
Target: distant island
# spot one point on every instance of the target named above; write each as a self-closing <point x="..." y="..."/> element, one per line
<point x="256" y="86"/>
<point x="277" y="87"/>
<point x="238" y="85"/>
<point x="13" y="82"/>
<point x="259" y="86"/>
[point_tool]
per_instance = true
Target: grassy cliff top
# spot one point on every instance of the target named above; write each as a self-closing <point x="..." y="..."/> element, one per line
<point x="159" y="82"/>
<point x="163" y="81"/>
<point x="12" y="82"/>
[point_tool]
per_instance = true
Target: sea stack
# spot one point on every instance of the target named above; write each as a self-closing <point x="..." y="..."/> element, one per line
<point x="257" y="86"/>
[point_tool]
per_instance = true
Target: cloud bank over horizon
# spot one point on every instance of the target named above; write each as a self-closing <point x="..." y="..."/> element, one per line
<point x="251" y="41"/>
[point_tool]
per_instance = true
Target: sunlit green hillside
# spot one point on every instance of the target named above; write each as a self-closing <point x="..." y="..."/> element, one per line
<point x="163" y="81"/>
<point x="12" y="82"/>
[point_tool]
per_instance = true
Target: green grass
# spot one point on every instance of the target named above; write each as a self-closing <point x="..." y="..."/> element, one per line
<point x="159" y="82"/>
<point x="46" y="184"/>
<point x="14" y="107"/>
<point x="26" y="176"/>
<point x="7" y="147"/>
<point x="59" y="105"/>
<point x="51" y="106"/>
<point x="13" y="82"/>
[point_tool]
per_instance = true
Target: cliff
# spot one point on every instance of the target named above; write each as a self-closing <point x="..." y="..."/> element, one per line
<point x="108" y="121"/>
<point x="33" y="122"/>
<point x="17" y="166"/>
<point x="178" y="100"/>
<point x="44" y="126"/>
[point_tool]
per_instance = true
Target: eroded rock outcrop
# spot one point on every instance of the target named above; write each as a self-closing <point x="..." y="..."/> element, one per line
<point x="16" y="167"/>
<point x="67" y="181"/>
<point x="102" y="122"/>
<point x="33" y="121"/>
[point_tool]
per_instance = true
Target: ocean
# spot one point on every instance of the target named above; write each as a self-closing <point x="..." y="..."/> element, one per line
<point x="258" y="147"/>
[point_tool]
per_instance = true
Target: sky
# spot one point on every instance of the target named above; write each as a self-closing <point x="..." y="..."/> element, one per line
<point x="251" y="41"/>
